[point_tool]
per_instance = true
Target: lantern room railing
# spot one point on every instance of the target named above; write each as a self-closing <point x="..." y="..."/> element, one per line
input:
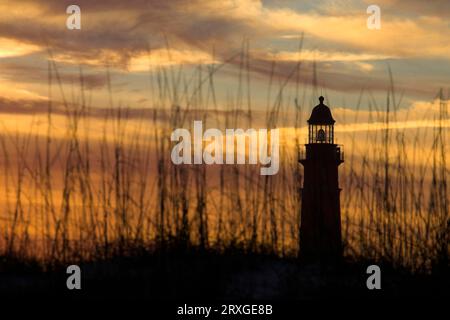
<point x="302" y="154"/>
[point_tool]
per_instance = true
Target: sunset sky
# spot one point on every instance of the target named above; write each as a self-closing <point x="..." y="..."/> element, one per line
<point x="131" y="38"/>
<point x="147" y="55"/>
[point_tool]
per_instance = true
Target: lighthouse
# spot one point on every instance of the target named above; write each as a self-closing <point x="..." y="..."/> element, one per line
<point x="320" y="228"/>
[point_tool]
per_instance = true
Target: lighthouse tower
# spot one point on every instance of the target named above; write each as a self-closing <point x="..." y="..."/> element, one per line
<point x="320" y="229"/>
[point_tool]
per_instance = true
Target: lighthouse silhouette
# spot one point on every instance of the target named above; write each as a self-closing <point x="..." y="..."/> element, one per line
<point x="320" y="228"/>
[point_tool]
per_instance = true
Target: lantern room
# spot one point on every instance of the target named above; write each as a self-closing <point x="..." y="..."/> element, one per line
<point x="321" y="124"/>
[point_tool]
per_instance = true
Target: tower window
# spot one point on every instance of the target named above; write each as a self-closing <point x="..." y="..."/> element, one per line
<point x="321" y="135"/>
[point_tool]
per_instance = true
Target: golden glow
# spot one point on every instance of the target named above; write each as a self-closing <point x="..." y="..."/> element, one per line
<point x="14" y="48"/>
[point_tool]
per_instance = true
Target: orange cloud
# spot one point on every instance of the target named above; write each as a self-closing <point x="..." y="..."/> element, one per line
<point x="14" y="48"/>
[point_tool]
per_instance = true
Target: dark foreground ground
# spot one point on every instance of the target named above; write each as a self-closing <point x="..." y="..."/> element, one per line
<point x="195" y="275"/>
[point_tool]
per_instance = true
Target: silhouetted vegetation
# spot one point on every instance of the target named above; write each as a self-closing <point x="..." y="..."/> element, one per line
<point x="105" y="186"/>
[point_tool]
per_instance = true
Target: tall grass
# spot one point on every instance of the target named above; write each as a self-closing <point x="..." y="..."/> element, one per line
<point x="103" y="184"/>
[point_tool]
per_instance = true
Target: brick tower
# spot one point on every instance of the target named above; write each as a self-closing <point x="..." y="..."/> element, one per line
<point x="320" y="229"/>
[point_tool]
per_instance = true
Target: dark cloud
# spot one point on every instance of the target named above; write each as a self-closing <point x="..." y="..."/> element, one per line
<point x="114" y="31"/>
<point x="21" y="106"/>
<point x="129" y="28"/>
<point x="26" y="73"/>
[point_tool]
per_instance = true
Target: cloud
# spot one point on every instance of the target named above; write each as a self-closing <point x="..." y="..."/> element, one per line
<point x="144" y="61"/>
<point x="120" y="34"/>
<point x="14" y="72"/>
<point x="14" y="48"/>
<point x="322" y="56"/>
<point x="10" y="91"/>
<point x="127" y="29"/>
<point x="22" y="105"/>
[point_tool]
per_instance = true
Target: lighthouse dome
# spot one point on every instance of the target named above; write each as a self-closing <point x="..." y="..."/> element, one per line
<point x="321" y="114"/>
